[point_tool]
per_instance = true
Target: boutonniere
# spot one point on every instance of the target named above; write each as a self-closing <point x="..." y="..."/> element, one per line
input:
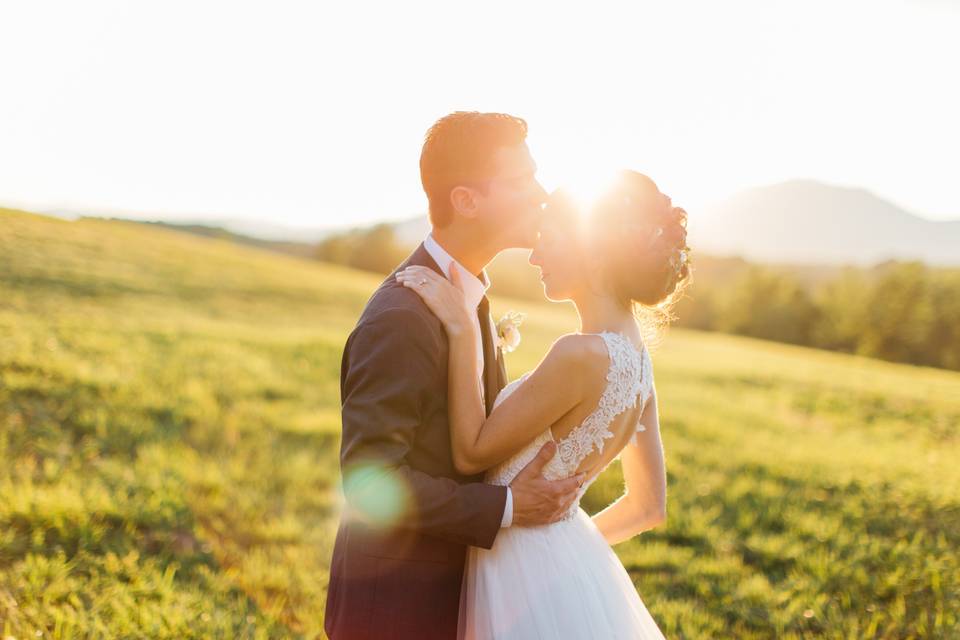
<point x="508" y="330"/>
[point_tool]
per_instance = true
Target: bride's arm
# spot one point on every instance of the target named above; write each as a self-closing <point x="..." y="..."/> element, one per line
<point x="552" y="389"/>
<point x="643" y="504"/>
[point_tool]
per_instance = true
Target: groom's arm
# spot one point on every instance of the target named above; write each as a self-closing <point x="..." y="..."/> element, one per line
<point x="392" y="365"/>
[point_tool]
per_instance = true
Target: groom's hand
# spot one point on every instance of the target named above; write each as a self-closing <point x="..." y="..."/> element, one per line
<point x="538" y="501"/>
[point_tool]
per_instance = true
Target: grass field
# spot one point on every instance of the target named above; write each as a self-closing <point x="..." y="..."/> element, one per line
<point x="169" y="427"/>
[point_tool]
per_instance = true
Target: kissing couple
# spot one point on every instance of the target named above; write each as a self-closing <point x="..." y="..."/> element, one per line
<point x="462" y="492"/>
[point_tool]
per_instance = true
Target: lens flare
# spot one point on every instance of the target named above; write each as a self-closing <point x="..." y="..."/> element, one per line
<point x="376" y="495"/>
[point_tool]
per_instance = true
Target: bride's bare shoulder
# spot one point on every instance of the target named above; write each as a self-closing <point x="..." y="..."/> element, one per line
<point x="579" y="355"/>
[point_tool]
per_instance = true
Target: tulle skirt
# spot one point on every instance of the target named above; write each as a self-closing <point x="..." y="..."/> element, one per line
<point x="558" y="581"/>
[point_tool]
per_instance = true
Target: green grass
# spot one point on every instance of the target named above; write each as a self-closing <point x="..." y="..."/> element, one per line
<point x="169" y="427"/>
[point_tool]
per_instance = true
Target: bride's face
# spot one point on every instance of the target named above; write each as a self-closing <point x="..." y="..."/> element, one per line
<point x="558" y="255"/>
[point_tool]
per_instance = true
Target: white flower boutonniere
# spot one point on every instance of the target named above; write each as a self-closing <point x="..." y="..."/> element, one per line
<point x="508" y="330"/>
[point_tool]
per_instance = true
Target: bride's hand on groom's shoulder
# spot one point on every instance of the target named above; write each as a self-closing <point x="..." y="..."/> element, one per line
<point x="444" y="297"/>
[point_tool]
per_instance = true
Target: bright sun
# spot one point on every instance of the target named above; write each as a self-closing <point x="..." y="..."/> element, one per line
<point x="586" y="184"/>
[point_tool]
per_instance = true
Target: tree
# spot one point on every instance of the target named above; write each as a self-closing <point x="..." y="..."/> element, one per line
<point x="899" y="315"/>
<point x="375" y="249"/>
<point x="843" y="306"/>
<point x="768" y="305"/>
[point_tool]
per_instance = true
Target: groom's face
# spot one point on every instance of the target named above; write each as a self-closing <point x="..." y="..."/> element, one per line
<point x="511" y="208"/>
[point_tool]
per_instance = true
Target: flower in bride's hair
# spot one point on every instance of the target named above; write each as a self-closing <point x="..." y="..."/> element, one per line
<point x="650" y="237"/>
<point x="680" y="260"/>
<point x="508" y="330"/>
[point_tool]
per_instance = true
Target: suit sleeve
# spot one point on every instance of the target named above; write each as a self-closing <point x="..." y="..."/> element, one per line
<point x="390" y="368"/>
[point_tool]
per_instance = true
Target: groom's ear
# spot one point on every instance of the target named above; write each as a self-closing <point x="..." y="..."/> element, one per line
<point x="464" y="201"/>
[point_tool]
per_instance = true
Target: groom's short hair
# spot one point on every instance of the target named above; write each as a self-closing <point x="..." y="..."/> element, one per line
<point x="459" y="149"/>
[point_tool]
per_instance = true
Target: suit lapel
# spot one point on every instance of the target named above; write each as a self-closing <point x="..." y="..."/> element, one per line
<point x="494" y="372"/>
<point x="421" y="258"/>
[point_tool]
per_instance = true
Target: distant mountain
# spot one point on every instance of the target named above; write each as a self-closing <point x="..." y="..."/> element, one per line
<point x="270" y="230"/>
<point x="803" y="221"/>
<point x="412" y="231"/>
<point x="246" y="227"/>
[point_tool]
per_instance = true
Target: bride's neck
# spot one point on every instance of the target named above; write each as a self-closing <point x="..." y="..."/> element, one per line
<point x="601" y="312"/>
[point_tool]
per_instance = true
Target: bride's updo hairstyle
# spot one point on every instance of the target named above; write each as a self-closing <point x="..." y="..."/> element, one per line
<point x="638" y="239"/>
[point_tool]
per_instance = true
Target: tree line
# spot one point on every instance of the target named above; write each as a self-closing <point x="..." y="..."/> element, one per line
<point x="898" y="311"/>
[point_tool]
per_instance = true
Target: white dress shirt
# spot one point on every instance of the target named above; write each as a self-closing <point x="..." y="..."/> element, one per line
<point x="474" y="289"/>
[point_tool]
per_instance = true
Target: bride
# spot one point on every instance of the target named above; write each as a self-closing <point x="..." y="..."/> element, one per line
<point x="593" y="394"/>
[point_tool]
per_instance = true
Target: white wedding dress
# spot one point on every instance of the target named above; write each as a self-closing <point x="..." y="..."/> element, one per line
<point x="561" y="580"/>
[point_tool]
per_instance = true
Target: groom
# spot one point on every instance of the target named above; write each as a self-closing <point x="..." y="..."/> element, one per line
<point x="398" y="560"/>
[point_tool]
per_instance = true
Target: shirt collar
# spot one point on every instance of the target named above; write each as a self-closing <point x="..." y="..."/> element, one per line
<point x="474" y="288"/>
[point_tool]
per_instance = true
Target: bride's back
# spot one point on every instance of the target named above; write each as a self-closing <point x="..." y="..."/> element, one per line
<point x="619" y="383"/>
<point x="595" y="432"/>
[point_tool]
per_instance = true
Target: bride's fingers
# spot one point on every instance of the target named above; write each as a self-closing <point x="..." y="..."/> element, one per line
<point x="420" y="290"/>
<point x="420" y="271"/>
<point x="422" y="286"/>
<point x="420" y="278"/>
<point x="418" y="274"/>
<point x="407" y="274"/>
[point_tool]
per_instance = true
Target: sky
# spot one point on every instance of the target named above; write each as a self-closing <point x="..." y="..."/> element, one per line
<point x="312" y="114"/>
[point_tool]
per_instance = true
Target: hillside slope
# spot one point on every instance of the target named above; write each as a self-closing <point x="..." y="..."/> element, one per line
<point x="169" y="427"/>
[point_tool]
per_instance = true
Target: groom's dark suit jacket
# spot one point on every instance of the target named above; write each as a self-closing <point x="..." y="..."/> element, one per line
<point x="399" y="555"/>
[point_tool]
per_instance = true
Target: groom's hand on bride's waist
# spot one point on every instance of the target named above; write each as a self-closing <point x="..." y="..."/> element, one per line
<point x="538" y="501"/>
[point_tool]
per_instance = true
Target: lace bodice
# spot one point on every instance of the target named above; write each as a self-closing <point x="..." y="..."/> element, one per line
<point x="629" y="379"/>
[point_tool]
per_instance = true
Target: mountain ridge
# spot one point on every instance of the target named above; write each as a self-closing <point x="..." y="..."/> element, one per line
<point x="814" y="222"/>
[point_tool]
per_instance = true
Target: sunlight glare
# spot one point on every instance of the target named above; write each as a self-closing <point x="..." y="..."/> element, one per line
<point x="587" y="184"/>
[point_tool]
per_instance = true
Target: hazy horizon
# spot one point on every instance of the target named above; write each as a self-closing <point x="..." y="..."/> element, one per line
<point x="309" y="116"/>
<point x="264" y="224"/>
